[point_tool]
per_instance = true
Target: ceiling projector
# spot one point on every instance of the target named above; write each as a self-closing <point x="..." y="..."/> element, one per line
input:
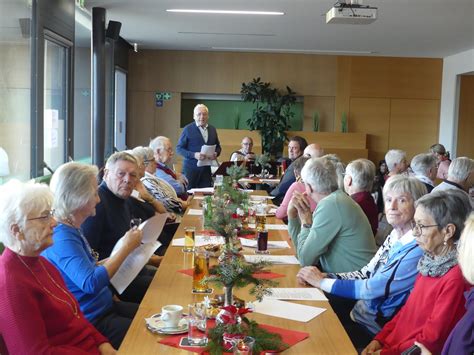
<point x="352" y="14"/>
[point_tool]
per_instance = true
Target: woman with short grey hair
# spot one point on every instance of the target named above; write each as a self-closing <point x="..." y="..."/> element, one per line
<point x="75" y="198"/>
<point x="159" y="188"/>
<point x="39" y="314"/>
<point x="337" y="235"/>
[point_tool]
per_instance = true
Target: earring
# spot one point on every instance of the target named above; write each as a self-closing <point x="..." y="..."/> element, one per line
<point x="445" y="243"/>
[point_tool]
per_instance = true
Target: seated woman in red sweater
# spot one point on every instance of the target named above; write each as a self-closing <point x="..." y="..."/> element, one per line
<point x="38" y="315"/>
<point x="437" y="300"/>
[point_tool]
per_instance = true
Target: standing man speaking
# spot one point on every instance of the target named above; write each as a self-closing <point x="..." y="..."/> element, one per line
<point x="193" y="137"/>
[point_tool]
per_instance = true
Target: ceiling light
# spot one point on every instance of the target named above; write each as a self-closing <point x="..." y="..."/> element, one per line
<point x="283" y="50"/>
<point x="228" y="12"/>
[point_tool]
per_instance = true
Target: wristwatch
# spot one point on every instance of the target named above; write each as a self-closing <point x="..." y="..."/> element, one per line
<point x="306" y="225"/>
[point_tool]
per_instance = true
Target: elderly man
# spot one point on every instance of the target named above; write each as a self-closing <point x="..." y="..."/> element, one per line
<point x="113" y="215"/>
<point x="460" y="177"/>
<point x="397" y="163"/>
<point x="245" y="153"/>
<point x="296" y="146"/>
<point x="163" y="151"/>
<point x="424" y="168"/>
<point x="313" y="150"/>
<point x="337" y="235"/>
<point x="193" y="137"/>
<point x="358" y="180"/>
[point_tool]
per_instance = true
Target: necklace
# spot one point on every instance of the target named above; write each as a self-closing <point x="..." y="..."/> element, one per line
<point x="94" y="253"/>
<point x="71" y="305"/>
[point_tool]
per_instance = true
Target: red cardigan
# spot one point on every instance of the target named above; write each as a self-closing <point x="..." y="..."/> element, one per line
<point x="31" y="320"/>
<point x="431" y="312"/>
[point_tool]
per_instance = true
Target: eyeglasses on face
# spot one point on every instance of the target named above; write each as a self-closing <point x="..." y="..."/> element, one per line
<point x="48" y="215"/>
<point x="418" y="228"/>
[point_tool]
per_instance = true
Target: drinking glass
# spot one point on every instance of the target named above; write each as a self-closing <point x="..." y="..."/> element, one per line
<point x="261" y="217"/>
<point x="244" y="346"/>
<point x="197" y="324"/>
<point x="189" y="234"/>
<point x="262" y="242"/>
<point x="200" y="271"/>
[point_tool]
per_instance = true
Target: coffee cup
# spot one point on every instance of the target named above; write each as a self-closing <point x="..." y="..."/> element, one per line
<point x="171" y="315"/>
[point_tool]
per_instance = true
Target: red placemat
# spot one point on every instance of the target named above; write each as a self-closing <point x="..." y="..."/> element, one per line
<point x="257" y="275"/>
<point x="290" y="337"/>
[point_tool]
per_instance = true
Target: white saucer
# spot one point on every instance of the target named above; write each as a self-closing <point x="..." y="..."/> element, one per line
<point x="156" y="325"/>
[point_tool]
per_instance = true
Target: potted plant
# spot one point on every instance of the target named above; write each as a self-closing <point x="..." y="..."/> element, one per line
<point x="272" y="115"/>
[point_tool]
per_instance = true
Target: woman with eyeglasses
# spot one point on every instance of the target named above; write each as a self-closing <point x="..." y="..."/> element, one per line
<point x="365" y="299"/>
<point x="437" y="300"/>
<point x="38" y="314"/>
<point x="75" y="197"/>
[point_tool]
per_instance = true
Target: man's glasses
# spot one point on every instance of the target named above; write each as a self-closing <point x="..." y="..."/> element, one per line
<point x="50" y="214"/>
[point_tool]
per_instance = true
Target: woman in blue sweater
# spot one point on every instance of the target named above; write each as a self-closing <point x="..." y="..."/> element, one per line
<point x="383" y="285"/>
<point x="75" y="196"/>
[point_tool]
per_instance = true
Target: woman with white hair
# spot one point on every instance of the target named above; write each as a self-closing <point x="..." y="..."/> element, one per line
<point x="38" y="315"/>
<point x="337" y="235"/>
<point x="424" y="168"/>
<point x="75" y="197"/>
<point x="397" y="163"/>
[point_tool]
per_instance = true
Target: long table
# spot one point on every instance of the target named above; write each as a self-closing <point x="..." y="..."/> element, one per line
<point x="326" y="334"/>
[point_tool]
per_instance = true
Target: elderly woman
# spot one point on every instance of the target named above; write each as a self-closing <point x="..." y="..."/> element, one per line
<point x="75" y="197"/>
<point x="337" y="235"/>
<point x="436" y="302"/>
<point x="461" y="339"/>
<point x="358" y="180"/>
<point x="282" y="211"/>
<point x="424" y="168"/>
<point x="397" y="163"/>
<point x="392" y="269"/>
<point x="442" y="157"/>
<point x="38" y="315"/>
<point x="158" y="188"/>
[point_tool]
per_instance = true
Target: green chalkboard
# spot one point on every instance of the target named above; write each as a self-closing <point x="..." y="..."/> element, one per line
<point x="233" y="114"/>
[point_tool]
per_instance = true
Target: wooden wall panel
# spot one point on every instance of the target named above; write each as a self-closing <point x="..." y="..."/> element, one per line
<point x="167" y="118"/>
<point x="465" y="145"/>
<point x="371" y="116"/>
<point x="413" y="125"/>
<point x="224" y="72"/>
<point x="325" y="107"/>
<point x="396" y="77"/>
<point x="140" y="119"/>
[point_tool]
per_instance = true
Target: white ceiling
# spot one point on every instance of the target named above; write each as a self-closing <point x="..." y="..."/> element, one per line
<point x="411" y="28"/>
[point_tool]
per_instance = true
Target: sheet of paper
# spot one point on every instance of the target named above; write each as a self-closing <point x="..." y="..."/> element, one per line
<point x="152" y="227"/>
<point x="272" y="244"/>
<point x="199" y="241"/>
<point x="288" y="310"/>
<point x="204" y="190"/>
<point x="208" y="150"/>
<point x="194" y="212"/>
<point x="299" y="294"/>
<point x="132" y="265"/>
<point x="275" y="227"/>
<point x="200" y="197"/>
<point x="276" y="259"/>
<point x="261" y="198"/>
